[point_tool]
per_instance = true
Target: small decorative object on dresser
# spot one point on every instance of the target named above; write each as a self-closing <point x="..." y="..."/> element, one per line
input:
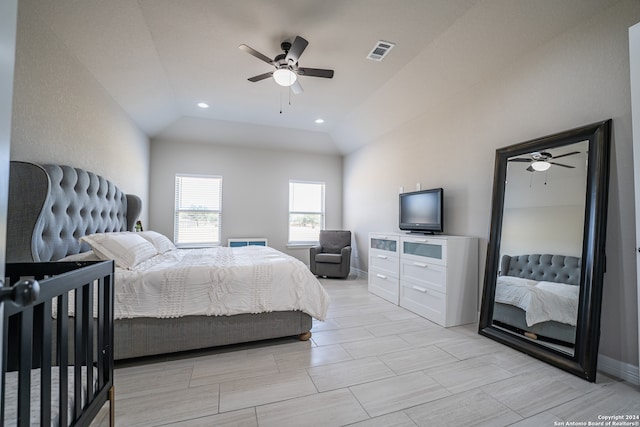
<point x="433" y="276"/>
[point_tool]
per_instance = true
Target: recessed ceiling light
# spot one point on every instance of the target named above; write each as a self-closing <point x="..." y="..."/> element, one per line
<point x="203" y="105"/>
<point x="319" y="121"/>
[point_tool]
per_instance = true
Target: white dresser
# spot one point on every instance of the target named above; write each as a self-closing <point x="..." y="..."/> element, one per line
<point x="433" y="276"/>
<point x="384" y="266"/>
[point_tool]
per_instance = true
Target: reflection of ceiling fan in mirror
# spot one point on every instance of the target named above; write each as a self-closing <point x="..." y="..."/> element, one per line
<point x="286" y="64"/>
<point x="541" y="160"/>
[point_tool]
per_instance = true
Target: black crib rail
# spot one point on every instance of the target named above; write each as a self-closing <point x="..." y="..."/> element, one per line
<point x="34" y="338"/>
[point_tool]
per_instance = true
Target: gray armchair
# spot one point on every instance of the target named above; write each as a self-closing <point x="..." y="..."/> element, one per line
<point x="332" y="258"/>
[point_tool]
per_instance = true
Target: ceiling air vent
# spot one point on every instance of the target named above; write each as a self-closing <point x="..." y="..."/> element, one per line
<point x="380" y="50"/>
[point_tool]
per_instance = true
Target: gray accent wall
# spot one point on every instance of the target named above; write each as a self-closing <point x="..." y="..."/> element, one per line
<point x="578" y="78"/>
<point x="62" y="115"/>
<point x="255" y="187"/>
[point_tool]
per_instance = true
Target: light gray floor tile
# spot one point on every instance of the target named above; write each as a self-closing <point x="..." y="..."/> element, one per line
<point x="167" y="407"/>
<point x="396" y="393"/>
<point x="231" y="366"/>
<point x="129" y="383"/>
<point x="345" y="374"/>
<point x="375" y="346"/>
<point x="314" y="356"/>
<point x="264" y="389"/>
<point x="333" y="408"/>
<point x="417" y="359"/>
<point x="467" y="374"/>
<point x="469" y="347"/>
<point x="326" y="325"/>
<point x="402" y="326"/>
<point x="397" y="419"/>
<point x="472" y="408"/>
<point x="430" y="336"/>
<point x="618" y="399"/>
<point x="511" y="360"/>
<point x="240" y="418"/>
<point x="530" y="394"/>
<point x="339" y="336"/>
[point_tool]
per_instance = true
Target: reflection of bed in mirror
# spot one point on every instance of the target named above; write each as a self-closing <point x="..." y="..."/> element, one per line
<point x="537" y="295"/>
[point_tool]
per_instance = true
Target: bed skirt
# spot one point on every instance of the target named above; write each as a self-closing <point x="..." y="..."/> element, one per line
<point x="514" y="316"/>
<point x="151" y="336"/>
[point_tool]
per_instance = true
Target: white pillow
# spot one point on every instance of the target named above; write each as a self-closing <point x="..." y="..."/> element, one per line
<point x="82" y="256"/>
<point x="159" y="241"/>
<point x="126" y="249"/>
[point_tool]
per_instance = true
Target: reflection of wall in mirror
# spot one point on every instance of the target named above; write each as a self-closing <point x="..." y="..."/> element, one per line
<point x="543" y="230"/>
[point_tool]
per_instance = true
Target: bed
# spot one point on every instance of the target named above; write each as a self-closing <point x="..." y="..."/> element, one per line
<point x="36" y="362"/>
<point x="69" y="206"/>
<point x="537" y="295"/>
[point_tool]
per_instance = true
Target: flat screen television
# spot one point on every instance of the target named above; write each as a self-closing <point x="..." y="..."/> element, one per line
<point x="422" y="211"/>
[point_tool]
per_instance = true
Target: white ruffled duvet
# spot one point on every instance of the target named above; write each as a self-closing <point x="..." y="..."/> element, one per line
<point x="542" y="301"/>
<point x="216" y="282"/>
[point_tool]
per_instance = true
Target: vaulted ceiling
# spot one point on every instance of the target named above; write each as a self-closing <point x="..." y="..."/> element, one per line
<point x="159" y="58"/>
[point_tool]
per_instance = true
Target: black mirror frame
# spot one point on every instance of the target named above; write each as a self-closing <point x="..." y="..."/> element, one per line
<point x="583" y="362"/>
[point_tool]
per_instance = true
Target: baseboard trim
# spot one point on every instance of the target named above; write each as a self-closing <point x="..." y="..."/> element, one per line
<point x="618" y="369"/>
<point x="361" y="274"/>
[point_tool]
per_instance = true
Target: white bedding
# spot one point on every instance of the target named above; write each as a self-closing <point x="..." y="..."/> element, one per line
<point x="542" y="301"/>
<point x="218" y="281"/>
<point x="11" y="395"/>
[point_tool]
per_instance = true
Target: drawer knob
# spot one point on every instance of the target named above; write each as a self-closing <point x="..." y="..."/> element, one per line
<point x="419" y="289"/>
<point x="382" y="276"/>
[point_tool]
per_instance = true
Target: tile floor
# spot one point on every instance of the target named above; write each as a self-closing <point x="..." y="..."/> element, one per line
<point x="370" y="364"/>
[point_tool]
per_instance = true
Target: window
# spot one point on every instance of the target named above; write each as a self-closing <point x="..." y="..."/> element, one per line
<point x="306" y="211"/>
<point x="198" y="210"/>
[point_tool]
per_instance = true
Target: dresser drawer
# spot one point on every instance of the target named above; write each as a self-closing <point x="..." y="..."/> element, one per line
<point x="384" y="262"/>
<point x="424" y="249"/>
<point x="384" y="285"/>
<point x="423" y="274"/>
<point x="384" y="243"/>
<point x="424" y="302"/>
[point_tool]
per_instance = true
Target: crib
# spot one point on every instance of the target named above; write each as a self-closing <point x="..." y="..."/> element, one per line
<point x="58" y="364"/>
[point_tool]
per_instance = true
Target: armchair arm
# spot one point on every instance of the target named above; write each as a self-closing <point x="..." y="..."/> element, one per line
<point x="313" y="251"/>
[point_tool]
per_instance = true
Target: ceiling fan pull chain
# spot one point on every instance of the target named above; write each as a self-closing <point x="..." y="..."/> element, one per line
<point x="280" y="93"/>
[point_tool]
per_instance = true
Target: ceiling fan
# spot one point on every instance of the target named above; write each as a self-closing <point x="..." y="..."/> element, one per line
<point x="286" y="65"/>
<point x="541" y="160"/>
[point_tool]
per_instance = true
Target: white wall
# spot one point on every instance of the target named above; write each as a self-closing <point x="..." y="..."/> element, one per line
<point x="255" y="187"/>
<point x="578" y="78"/>
<point x="61" y="114"/>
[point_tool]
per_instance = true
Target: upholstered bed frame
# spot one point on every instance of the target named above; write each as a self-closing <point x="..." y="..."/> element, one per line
<point x="52" y="206"/>
<point x="550" y="268"/>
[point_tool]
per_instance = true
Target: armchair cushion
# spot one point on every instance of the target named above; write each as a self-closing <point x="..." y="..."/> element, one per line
<point x="332" y="258"/>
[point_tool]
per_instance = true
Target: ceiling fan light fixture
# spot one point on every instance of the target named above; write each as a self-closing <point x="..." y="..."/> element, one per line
<point x="284" y="77"/>
<point x="540" y="165"/>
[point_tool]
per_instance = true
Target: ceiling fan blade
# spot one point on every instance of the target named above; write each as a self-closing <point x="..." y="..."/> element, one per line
<point x="519" y="159"/>
<point x="315" y="72"/>
<point x="296" y="88"/>
<point x="530" y="169"/>
<point x="260" y="77"/>
<point x="564" y="166"/>
<point x="252" y="51"/>
<point x="298" y="46"/>
<point x="566" y="154"/>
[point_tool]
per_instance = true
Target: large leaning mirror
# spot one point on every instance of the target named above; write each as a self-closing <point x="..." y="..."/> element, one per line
<point x="545" y="260"/>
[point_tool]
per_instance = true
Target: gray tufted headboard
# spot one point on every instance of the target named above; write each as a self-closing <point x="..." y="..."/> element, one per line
<point x="550" y="268"/>
<point x="51" y="207"/>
